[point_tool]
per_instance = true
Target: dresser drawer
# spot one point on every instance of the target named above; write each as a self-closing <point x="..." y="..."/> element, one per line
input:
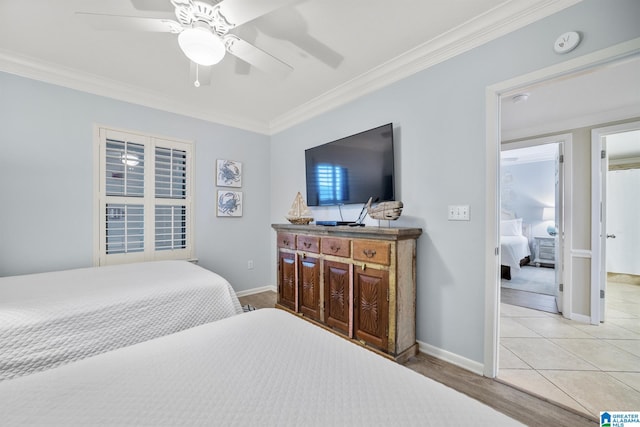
<point x="547" y="253"/>
<point x="287" y="240"/>
<point x="308" y="243"/>
<point x="371" y="251"/>
<point x="336" y="246"/>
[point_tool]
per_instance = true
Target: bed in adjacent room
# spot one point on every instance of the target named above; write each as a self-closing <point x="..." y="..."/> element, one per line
<point x="514" y="246"/>
<point x="50" y="319"/>
<point x="266" y="367"/>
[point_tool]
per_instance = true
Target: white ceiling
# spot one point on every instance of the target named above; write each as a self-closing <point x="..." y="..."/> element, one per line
<point x="338" y="50"/>
<point x="623" y="145"/>
<point x="597" y="95"/>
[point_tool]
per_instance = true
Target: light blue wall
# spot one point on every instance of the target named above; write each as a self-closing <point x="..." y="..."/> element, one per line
<point x="439" y="122"/>
<point x="46" y="181"/>
<point x="529" y="188"/>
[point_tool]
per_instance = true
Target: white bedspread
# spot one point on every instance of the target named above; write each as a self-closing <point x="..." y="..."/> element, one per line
<point x="262" y="368"/>
<point x="54" y="318"/>
<point x="512" y="250"/>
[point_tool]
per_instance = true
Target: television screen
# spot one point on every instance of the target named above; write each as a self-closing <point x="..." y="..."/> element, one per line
<point x="351" y="169"/>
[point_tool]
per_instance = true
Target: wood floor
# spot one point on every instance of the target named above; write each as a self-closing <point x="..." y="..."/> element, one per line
<point x="519" y="405"/>
<point x="531" y="300"/>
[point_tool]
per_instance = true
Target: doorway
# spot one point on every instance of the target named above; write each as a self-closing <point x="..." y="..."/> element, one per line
<point x="577" y="253"/>
<point x="531" y="190"/>
<point x="615" y="231"/>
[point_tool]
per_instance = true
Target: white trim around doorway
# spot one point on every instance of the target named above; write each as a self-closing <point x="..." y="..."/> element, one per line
<point x="492" y="157"/>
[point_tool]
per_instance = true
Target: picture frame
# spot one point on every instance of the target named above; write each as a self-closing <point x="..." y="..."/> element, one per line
<point x="229" y="203"/>
<point x="228" y="173"/>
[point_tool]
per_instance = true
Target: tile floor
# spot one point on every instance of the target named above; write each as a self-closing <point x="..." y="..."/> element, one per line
<point x="584" y="367"/>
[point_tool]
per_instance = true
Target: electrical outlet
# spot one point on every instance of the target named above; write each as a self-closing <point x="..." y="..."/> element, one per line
<point x="458" y="213"/>
<point x="250" y="264"/>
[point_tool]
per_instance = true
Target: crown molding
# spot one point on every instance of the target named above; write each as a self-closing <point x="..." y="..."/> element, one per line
<point x="489" y="26"/>
<point x="499" y="21"/>
<point x="28" y="67"/>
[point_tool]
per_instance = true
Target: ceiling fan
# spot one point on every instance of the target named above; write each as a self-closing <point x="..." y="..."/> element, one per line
<point x="203" y="29"/>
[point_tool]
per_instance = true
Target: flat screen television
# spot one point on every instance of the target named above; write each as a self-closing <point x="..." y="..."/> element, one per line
<point x="352" y="169"/>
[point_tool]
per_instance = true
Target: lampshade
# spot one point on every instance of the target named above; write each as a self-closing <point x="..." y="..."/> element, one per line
<point x="201" y="45"/>
<point x="548" y="214"/>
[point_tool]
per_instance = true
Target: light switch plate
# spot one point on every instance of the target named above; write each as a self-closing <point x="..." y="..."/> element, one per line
<point x="458" y="213"/>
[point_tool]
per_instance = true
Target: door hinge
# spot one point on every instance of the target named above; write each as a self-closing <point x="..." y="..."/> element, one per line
<point x="602" y="293"/>
<point x="561" y="287"/>
<point x="497" y="251"/>
<point x="561" y="160"/>
<point x="603" y="154"/>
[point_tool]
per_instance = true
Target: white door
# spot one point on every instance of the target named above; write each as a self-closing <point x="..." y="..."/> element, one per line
<point x="599" y="215"/>
<point x="623" y="227"/>
<point x="604" y="166"/>
<point x="559" y="221"/>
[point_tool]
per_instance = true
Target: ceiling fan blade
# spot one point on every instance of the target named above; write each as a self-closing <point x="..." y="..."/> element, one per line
<point x="256" y="57"/>
<point x="249" y="34"/>
<point x="200" y="74"/>
<point x="238" y="12"/>
<point x="297" y="32"/>
<point x="156" y="5"/>
<point x="130" y="23"/>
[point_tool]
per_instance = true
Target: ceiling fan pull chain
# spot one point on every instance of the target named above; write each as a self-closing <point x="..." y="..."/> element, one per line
<point x="197" y="82"/>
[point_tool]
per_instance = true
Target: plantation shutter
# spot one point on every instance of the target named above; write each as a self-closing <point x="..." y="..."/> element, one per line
<point x="125" y="183"/>
<point x="144" y="198"/>
<point x="170" y="184"/>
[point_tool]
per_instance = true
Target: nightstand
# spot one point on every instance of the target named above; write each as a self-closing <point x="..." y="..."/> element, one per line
<point x="545" y="251"/>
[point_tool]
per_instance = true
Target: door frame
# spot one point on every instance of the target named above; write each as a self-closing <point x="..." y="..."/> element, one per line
<point x="493" y="94"/>
<point x="599" y="169"/>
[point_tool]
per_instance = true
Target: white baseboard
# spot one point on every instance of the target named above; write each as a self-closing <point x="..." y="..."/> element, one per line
<point x="454" y="359"/>
<point x="256" y="291"/>
<point x="580" y="318"/>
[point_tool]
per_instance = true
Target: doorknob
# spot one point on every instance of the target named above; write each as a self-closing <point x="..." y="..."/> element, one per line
<point x="611" y="236"/>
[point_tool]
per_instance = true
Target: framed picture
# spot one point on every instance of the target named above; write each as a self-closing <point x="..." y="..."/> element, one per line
<point x="228" y="173"/>
<point x="229" y="203"/>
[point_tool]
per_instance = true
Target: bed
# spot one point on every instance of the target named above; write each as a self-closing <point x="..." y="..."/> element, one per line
<point x="514" y="246"/>
<point x="265" y="367"/>
<point x="50" y="319"/>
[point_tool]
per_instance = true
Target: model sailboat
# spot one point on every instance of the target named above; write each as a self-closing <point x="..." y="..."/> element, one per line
<point x="299" y="212"/>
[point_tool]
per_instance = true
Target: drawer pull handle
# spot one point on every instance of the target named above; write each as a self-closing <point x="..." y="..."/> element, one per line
<point x="369" y="253"/>
<point x="285" y="242"/>
<point x="335" y="249"/>
<point x="306" y="244"/>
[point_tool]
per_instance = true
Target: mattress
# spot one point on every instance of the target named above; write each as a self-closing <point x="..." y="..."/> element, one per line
<point x="49" y="319"/>
<point x="266" y="367"/>
<point x="512" y="250"/>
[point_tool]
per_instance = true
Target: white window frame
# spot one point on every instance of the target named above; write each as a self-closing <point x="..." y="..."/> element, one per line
<point x="150" y="142"/>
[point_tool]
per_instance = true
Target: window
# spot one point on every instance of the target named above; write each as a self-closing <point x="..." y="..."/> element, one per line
<point x="332" y="184"/>
<point x="144" y="198"/>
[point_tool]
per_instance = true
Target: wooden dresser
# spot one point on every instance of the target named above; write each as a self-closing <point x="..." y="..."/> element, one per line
<point x="357" y="281"/>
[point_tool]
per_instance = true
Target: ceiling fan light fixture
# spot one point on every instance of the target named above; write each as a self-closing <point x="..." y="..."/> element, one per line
<point x="130" y="159"/>
<point x="201" y="46"/>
